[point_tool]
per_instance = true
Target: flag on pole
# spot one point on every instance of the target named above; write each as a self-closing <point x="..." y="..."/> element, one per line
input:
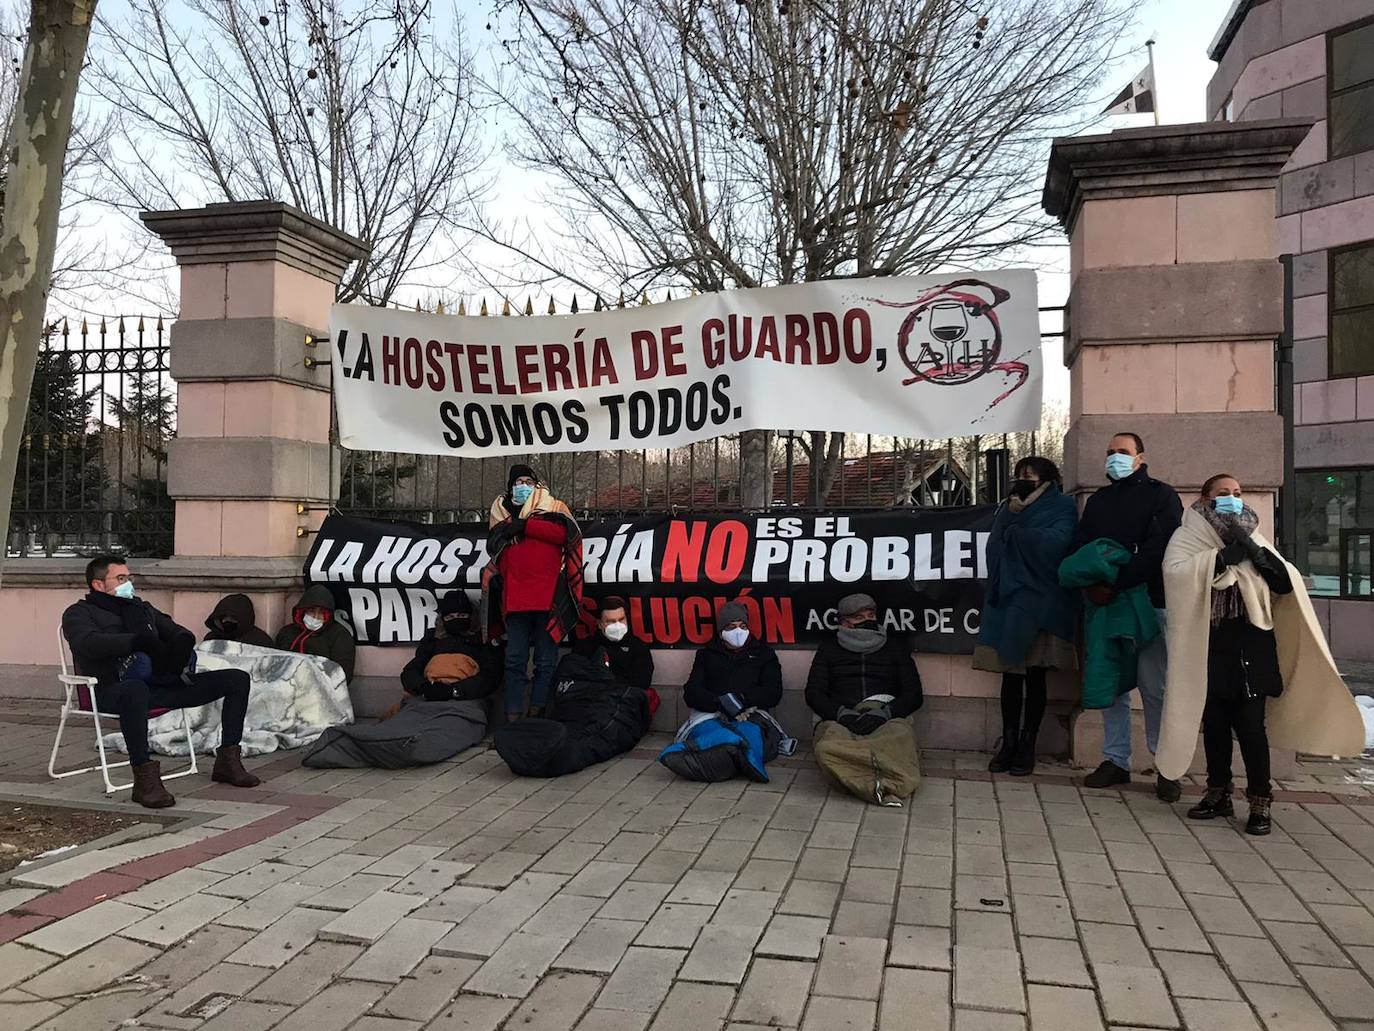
<point x="1136" y="98"/>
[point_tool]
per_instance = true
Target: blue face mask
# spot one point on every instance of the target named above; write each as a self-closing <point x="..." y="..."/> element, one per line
<point x="1228" y="504"/>
<point x="1120" y="466"/>
<point x="125" y="590"/>
<point x="520" y="493"/>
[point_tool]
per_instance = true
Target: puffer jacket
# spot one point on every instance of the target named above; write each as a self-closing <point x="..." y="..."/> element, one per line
<point x="332" y="641"/>
<point x="840" y="678"/>
<point x="752" y="673"/>
<point x="101" y="629"/>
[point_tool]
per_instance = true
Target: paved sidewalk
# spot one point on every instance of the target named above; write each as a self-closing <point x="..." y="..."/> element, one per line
<point x="621" y="899"/>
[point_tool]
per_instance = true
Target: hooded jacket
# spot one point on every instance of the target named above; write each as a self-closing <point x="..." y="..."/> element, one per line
<point x="752" y="672"/>
<point x="238" y="609"/>
<point x="102" y="629"/>
<point x="840" y="678"/>
<point x="332" y="641"/>
<point x="438" y="642"/>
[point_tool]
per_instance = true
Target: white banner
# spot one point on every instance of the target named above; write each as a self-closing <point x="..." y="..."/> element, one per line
<point x="914" y="356"/>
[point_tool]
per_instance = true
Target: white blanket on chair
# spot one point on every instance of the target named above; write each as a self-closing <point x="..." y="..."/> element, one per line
<point x="292" y="700"/>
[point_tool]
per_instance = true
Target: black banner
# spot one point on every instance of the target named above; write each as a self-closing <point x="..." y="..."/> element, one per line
<point x="925" y="568"/>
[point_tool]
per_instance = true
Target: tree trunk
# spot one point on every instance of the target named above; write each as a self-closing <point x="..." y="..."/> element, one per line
<point x="755" y="470"/>
<point x="35" y="151"/>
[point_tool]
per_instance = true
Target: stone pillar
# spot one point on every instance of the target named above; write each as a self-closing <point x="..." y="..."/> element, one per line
<point x="1175" y="304"/>
<point x="252" y="445"/>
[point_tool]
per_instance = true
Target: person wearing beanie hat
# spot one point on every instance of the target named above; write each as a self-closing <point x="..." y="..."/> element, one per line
<point x="531" y="586"/>
<point x="451" y="662"/>
<point x="862" y="677"/>
<point x="735" y="671"/>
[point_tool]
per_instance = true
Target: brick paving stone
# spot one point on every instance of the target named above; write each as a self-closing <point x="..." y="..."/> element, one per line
<point x="262" y="911"/>
<point x="403" y="861"/>
<point x="851" y="967"/>
<point x="334" y="869"/>
<point x="1199" y="879"/>
<point x="862" y="920"/>
<point x="868" y="885"/>
<point x="1285" y="1008"/>
<point x="276" y="945"/>
<point x="827" y="1014"/>
<point x="1063" y="1009"/>
<point x="635" y="900"/>
<point x="830" y="834"/>
<point x="988" y="979"/>
<point x="483" y="930"/>
<point x="982" y="1020"/>
<point x="334" y="1008"/>
<point x="87" y="927"/>
<point x="721" y="954"/>
<point x="979" y="892"/>
<point x="774" y="993"/>
<point x="1318" y="887"/>
<point x="556" y="1003"/>
<point x="599" y="879"/>
<point x="431" y="985"/>
<point x="1344" y="993"/>
<point x="1096" y="903"/>
<point x="793" y="937"/>
<point x="1196" y="977"/>
<point x="1306" y="943"/>
<point x="927" y="947"/>
<point x="228" y="979"/>
<point x="641" y="980"/>
<point x="455" y="904"/>
<point x="675" y="926"/>
<point x="1253" y="959"/>
<point x="567" y="857"/>
<point x="253" y="881"/>
<point x="432" y="878"/>
<point x="1134" y="995"/>
<point x="1349" y="925"/>
<point x="1245" y="868"/>
<point x="701" y="887"/>
<point x="1171" y="929"/>
<point x="308" y="973"/>
<point x="563" y="916"/>
<point x="161" y="893"/>
<point x="1036" y="879"/>
<point x="613" y="1020"/>
<point x="19" y="963"/>
<point x="1114" y="945"/>
<point x="988" y="930"/>
<point x="1043" y="916"/>
<point x="472" y="1013"/>
<point x="810" y="898"/>
<point x="765" y="875"/>
<point x="350" y="892"/>
<point x="726" y="855"/>
<point x="515" y="968"/>
<point x="930" y="907"/>
<point x="599" y="946"/>
<point x="1214" y="1015"/>
<point x="375" y="1023"/>
<point x="1029" y="848"/>
<point x="1218" y="915"/>
<point x="246" y="1015"/>
<point x="1150" y="889"/>
<point x="824" y="864"/>
<point x="500" y="870"/>
<point x="398" y="951"/>
<point x="694" y="1007"/>
<point x="371" y="918"/>
<point x="180" y="919"/>
<point x="914" y="1000"/>
<point x="1054" y="961"/>
<point x="1276" y="902"/>
<point x="23" y="1011"/>
<point x="663" y="866"/>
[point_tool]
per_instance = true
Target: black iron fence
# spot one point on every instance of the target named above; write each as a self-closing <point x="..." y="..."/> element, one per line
<point x="92" y="471"/>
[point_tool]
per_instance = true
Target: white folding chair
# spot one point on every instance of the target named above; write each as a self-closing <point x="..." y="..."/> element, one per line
<point x="79" y="698"/>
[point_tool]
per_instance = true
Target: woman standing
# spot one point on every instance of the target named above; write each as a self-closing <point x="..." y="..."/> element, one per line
<point x="1028" y="619"/>
<point x="1243" y="626"/>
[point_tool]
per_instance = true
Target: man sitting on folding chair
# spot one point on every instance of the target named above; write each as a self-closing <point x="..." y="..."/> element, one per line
<point x="142" y="660"/>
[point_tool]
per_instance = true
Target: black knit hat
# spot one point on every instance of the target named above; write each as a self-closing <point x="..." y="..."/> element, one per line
<point x="455" y="602"/>
<point x="517" y="471"/>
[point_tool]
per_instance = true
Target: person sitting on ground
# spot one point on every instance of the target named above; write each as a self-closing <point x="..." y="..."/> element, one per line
<point x="233" y="619"/>
<point x="313" y="630"/>
<point x="451" y="661"/>
<point x="735" y="671"/>
<point x="110" y="631"/>
<point x="861" y="663"/>
<point x="630" y="658"/>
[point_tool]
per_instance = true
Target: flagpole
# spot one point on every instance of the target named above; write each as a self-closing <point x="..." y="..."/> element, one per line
<point x="1154" y="80"/>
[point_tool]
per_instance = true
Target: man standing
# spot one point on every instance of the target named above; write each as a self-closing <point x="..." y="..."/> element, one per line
<point x="1141" y="514"/>
<point x="141" y="660"/>
<point x="630" y="658"/>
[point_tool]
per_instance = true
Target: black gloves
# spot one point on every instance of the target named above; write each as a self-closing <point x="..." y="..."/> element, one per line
<point x="865" y="721"/>
<point x="157" y="650"/>
<point x="1239" y="550"/>
<point x="731" y="704"/>
<point x="179" y="651"/>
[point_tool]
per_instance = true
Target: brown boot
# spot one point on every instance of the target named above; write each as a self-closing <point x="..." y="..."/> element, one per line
<point x="148" y="789"/>
<point x="229" y="768"/>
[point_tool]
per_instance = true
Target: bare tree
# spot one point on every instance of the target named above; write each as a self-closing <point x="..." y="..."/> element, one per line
<point x="741" y="143"/>
<point x="35" y="154"/>
<point x="354" y="112"/>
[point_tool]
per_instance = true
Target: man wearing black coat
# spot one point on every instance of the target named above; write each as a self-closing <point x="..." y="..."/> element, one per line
<point x="735" y="671"/>
<point x="630" y="658"/>
<point x="140" y="658"/>
<point x="1140" y="513"/>
<point x="453" y="635"/>
<point x="861" y="662"/>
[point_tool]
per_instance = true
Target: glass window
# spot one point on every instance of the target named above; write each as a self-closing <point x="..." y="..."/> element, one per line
<point x="1336" y="530"/>
<point x="1351" y="84"/>
<point x="1352" y="312"/>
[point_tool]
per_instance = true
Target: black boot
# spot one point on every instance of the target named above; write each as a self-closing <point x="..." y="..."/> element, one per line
<point x="1023" y="759"/>
<point x="1217" y="802"/>
<point x="1006" y="748"/>
<point x="1167" y="790"/>
<point x="1259" y="821"/>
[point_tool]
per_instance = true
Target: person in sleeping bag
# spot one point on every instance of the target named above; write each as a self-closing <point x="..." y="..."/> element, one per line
<point x="862" y="664"/>
<point x="313" y="630"/>
<point x="451" y="662"/>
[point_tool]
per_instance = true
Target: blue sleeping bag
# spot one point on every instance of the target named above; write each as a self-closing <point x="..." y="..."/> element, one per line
<point x="715" y="749"/>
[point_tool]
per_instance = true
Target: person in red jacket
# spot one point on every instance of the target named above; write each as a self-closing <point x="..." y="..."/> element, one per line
<point x="534" y="584"/>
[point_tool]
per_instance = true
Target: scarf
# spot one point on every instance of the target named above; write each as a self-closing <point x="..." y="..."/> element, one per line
<point x="1227" y="602"/>
<point x="1019" y="505"/>
<point x="861" y="640"/>
<point x="566" y="611"/>
<point x="133" y="613"/>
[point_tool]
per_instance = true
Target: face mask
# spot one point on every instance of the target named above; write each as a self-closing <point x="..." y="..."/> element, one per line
<point x="312" y="622"/>
<point x="229" y="626"/>
<point x="867" y="624"/>
<point x="1228" y="504"/>
<point x="615" y="631"/>
<point x="520" y="493"/>
<point x="1023" y="488"/>
<point x="125" y="590"/>
<point x="456" y="624"/>
<point x="735" y="638"/>
<point x="1120" y="466"/>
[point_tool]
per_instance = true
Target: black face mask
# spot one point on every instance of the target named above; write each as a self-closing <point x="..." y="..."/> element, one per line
<point x="456" y="624"/>
<point x="229" y="626"/>
<point x="867" y="624"/>
<point x="1023" y="488"/>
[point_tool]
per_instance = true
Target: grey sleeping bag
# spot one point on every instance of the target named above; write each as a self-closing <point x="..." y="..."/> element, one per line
<point x="421" y="733"/>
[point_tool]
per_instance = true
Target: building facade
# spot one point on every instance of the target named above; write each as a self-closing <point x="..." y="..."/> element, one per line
<point x="1315" y="59"/>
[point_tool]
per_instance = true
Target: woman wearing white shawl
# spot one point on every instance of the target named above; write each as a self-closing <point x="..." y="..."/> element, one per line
<point x="1244" y="646"/>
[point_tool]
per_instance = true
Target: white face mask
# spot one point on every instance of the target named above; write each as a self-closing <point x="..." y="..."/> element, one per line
<point x="615" y="631"/>
<point x="736" y="638"/>
<point x="312" y="622"/>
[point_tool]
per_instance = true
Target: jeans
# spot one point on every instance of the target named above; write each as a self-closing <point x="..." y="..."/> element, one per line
<point x="1152" y="666"/>
<point x="132" y="699"/>
<point x="1246" y="717"/>
<point x="526" y="631"/>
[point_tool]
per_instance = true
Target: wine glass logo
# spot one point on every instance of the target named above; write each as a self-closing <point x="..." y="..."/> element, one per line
<point x="949" y="324"/>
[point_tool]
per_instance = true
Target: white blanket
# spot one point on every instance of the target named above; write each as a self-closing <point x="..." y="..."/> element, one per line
<point x="292" y="700"/>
